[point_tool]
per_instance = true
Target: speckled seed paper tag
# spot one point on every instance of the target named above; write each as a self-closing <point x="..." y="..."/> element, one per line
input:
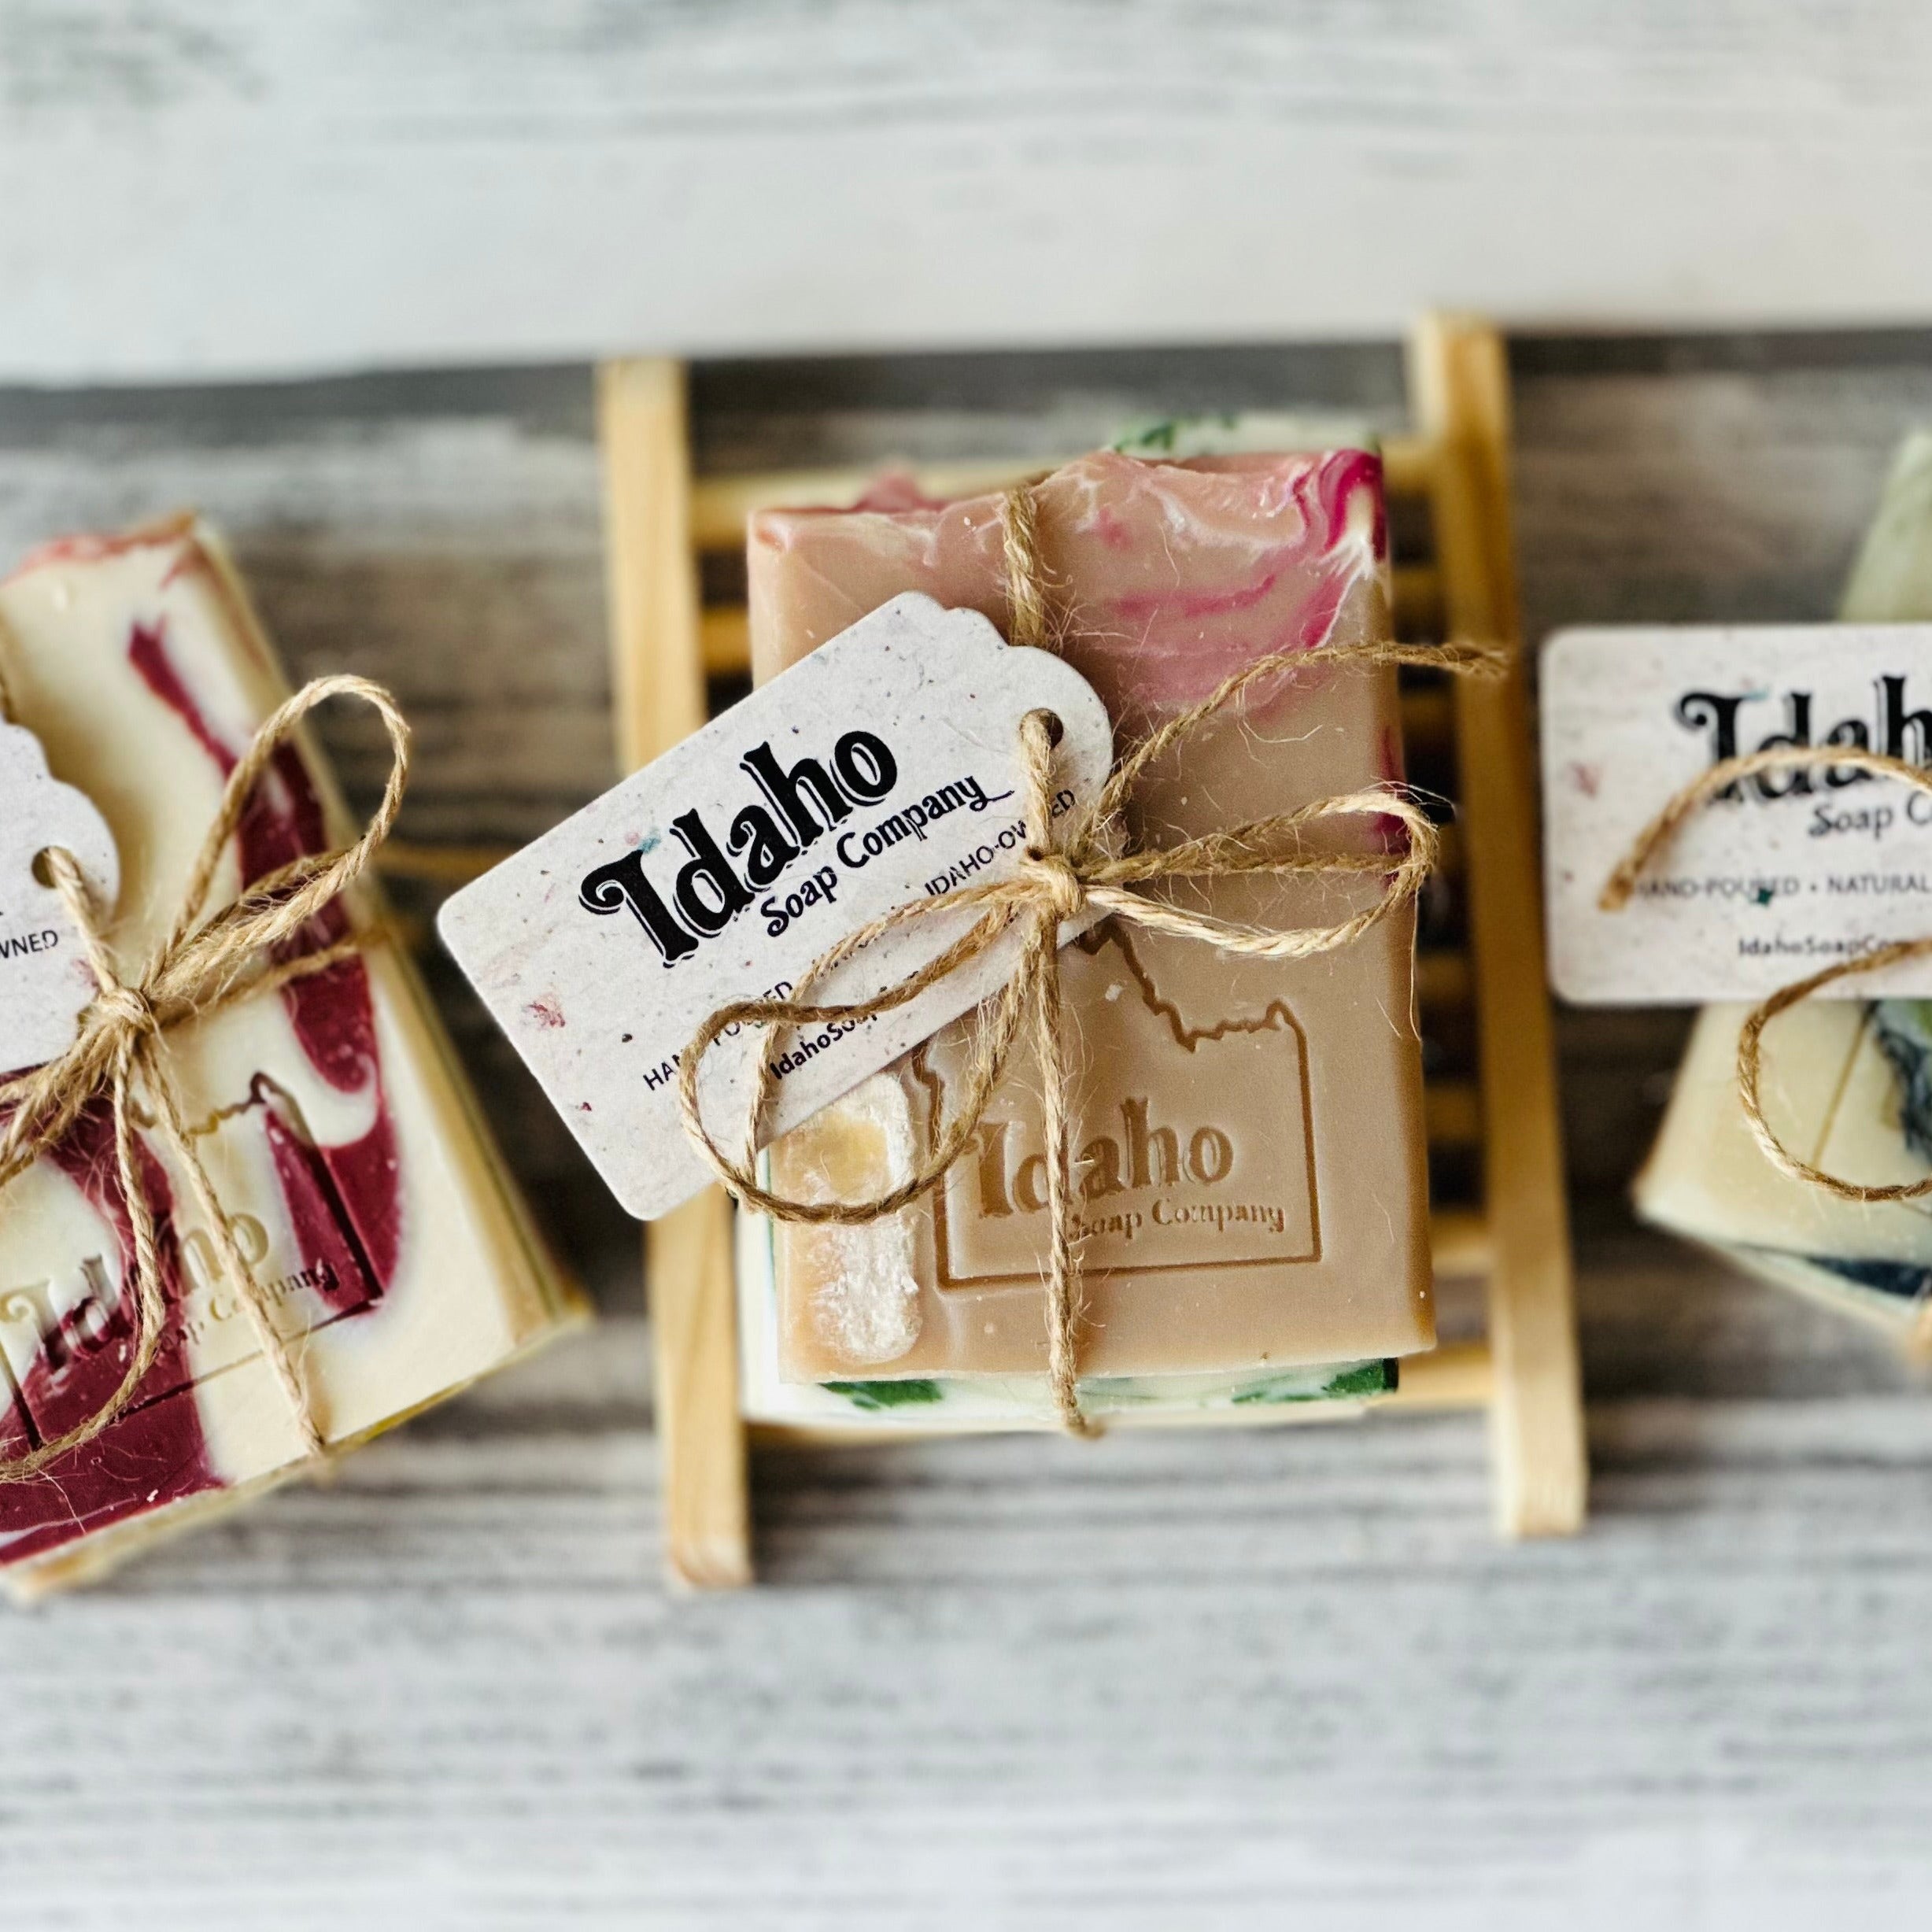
<point x="44" y="980"/>
<point x="1791" y="872"/>
<point x="882" y="768"/>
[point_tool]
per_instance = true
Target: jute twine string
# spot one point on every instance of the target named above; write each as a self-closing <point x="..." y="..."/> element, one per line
<point x="1094" y="864"/>
<point x="1623" y="882"/>
<point x="206" y="963"/>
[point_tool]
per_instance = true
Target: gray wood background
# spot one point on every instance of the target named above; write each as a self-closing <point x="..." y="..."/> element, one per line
<point x="1205" y="1681"/>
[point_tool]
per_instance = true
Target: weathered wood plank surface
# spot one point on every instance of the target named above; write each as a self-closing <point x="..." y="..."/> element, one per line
<point x="1206" y="1681"/>
<point x="194" y="187"/>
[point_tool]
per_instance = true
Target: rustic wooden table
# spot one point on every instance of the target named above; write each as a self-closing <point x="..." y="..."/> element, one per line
<point x="1178" y="1680"/>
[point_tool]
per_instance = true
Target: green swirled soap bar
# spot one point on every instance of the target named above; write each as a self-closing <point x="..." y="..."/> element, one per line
<point x="1847" y="1083"/>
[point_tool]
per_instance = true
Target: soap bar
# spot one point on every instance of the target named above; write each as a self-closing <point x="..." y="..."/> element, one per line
<point x="1846" y="1088"/>
<point x="330" y="1116"/>
<point x="1249" y="1174"/>
<point x="968" y="1403"/>
<point x="1847" y="1085"/>
<point x="1243" y="432"/>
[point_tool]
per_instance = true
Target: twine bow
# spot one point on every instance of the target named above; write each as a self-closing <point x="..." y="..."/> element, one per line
<point x="206" y="963"/>
<point x="1094" y="865"/>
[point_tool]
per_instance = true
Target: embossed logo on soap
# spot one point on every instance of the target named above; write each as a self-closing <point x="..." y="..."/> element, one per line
<point x="65" y="1341"/>
<point x="1194" y="1146"/>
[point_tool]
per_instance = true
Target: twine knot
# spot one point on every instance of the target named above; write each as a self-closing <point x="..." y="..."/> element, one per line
<point x="125" y="1008"/>
<point x="1093" y="861"/>
<point x="205" y="962"/>
<point x="1061" y="890"/>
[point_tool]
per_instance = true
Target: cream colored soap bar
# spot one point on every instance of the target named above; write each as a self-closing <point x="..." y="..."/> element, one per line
<point x="331" y="1116"/>
<point x="1848" y="1084"/>
<point x="1833" y="1094"/>
<point x="1252" y="1196"/>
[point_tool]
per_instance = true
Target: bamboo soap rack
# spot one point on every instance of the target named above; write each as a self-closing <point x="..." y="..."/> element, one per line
<point x="1501" y="1213"/>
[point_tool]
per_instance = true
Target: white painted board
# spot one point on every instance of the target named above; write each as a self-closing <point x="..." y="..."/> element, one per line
<point x="202" y="189"/>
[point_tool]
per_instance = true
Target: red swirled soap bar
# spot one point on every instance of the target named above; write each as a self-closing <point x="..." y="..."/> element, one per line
<point x="1250" y="1176"/>
<point x="338" y="1136"/>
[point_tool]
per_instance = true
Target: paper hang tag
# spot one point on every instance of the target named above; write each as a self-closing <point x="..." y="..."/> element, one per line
<point x="880" y="769"/>
<point x="45" y="979"/>
<point x="1794" y="872"/>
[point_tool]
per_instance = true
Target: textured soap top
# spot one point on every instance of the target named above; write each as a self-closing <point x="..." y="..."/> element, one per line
<point x="1249" y="1152"/>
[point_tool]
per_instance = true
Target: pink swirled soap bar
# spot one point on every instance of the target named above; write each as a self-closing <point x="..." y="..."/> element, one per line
<point x="339" y="1138"/>
<point x="1252" y="1192"/>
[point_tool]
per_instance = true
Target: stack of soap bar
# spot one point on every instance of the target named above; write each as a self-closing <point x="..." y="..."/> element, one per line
<point x="1847" y="1083"/>
<point x="1252" y="1199"/>
<point x="331" y="1116"/>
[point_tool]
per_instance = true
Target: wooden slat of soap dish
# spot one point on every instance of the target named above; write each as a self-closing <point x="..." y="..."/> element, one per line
<point x="658" y="686"/>
<point x="660" y="520"/>
<point x="1459" y="380"/>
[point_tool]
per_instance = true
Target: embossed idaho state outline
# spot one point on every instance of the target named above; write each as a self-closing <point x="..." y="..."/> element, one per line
<point x="1276" y="1016"/>
<point x="42" y="992"/>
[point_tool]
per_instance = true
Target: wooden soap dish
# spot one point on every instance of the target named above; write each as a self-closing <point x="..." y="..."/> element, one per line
<point x="1501" y="1126"/>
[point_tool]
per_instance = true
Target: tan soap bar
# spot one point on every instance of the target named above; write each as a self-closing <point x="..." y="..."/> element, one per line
<point x="338" y="1134"/>
<point x="1250" y="1163"/>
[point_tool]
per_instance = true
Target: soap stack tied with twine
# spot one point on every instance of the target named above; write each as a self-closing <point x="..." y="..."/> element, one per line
<point x="1204" y="1156"/>
<point x="1819" y="1179"/>
<point x="250" y="1215"/>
